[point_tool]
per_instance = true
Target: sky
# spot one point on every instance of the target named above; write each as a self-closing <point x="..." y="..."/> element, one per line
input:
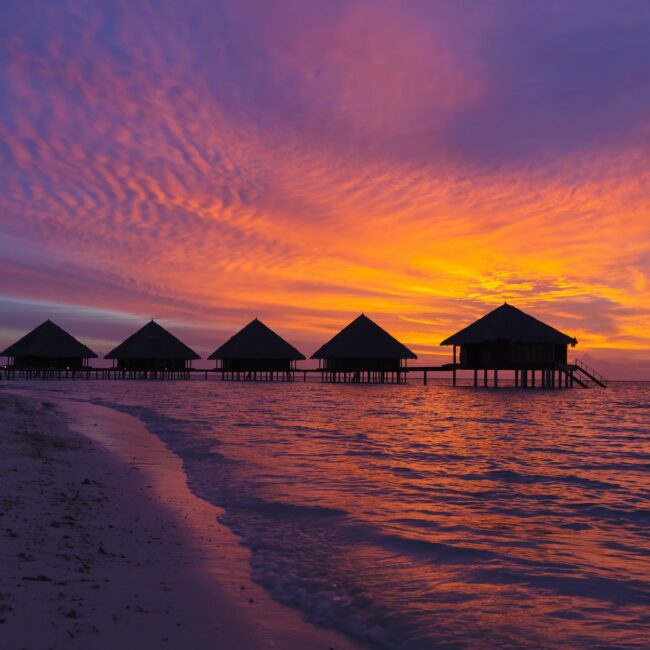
<point x="207" y="162"/>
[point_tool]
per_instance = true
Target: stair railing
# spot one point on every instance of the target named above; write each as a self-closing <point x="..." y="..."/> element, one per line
<point x="590" y="371"/>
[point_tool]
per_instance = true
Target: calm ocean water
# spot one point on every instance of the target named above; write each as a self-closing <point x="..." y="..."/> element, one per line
<point x="426" y="516"/>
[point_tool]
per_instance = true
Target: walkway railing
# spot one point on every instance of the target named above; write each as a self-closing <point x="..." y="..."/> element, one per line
<point x="594" y="375"/>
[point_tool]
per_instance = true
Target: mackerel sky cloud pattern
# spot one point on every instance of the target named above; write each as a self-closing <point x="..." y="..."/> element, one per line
<point x="208" y="162"/>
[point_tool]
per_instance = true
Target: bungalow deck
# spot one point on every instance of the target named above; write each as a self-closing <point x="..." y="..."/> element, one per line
<point x="560" y="376"/>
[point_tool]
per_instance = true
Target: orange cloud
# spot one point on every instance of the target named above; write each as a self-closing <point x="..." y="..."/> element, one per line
<point x="128" y="188"/>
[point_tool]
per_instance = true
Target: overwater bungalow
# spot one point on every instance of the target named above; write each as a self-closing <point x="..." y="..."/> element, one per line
<point x="363" y="352"/>
<point x="257" y="352"/>
<point x="152" y="348"/>
<point x="509" y="339"/>
<point x="48" y="347"/>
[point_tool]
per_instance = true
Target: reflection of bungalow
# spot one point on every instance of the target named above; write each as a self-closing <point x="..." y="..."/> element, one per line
<point x="48" y="347"/>
<point x="152" y="348"/>
<point x="509" y="339"/>
<point x="257" y="349"/>
<point x="363" y="351"/>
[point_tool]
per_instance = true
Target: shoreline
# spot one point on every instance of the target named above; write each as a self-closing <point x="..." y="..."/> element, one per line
<point x="106" y="545"/>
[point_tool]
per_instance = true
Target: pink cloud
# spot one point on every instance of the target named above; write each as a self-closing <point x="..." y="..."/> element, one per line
<point x="303" y="164"/>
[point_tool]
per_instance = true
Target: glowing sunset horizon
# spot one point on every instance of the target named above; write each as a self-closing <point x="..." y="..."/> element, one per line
<point x="307" y="162"/>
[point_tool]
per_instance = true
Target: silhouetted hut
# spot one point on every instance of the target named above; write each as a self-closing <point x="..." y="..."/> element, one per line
<point x="509" y="339"/>
<point x="257" y="349"/>
<point x="363" y="351"/>
<point x="48" y="347"/>
<point x="152" y="348"/>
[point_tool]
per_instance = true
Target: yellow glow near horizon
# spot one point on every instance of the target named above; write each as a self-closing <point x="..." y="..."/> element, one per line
<point x="324" y="179"/>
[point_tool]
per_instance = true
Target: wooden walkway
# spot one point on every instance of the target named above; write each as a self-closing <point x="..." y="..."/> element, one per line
<point x="560" y="376"/>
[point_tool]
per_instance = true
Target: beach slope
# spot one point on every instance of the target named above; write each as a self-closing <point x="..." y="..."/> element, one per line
<point x="104" y="545"/>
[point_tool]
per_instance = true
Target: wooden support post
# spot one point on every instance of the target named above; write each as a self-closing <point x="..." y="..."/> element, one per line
<point x="425" y="378"/>
<point x="475" y="377"/>
<point x="485" y="377"/>
<point x="454" y="370"/>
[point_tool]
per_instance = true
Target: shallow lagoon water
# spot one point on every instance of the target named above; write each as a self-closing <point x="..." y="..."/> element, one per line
<point x="425" y="516"/>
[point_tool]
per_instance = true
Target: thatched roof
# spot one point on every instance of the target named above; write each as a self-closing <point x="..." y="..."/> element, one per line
<point x="507" y="323"/>
<point x="257" y="341"/>
<point x="152" y="342"/>
<point x="363" y="339"/>
<point x="49" y="340"/>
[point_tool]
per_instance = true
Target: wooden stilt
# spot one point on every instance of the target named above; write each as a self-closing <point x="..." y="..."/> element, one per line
<point x="454" y="370"/>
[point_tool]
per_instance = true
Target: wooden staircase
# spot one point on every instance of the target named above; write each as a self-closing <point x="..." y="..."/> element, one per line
<point x="590" y="373"/>
<point x="582" y="374"/>
<point x="570" y="374"/>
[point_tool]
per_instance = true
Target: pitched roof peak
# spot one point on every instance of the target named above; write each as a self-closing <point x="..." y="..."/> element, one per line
<point x="49" y="340"/>
<point x="257" y="341"/>
<point x="152" y="341"/>
<point x="363" y="339"/>
<point x="509" y="323"/>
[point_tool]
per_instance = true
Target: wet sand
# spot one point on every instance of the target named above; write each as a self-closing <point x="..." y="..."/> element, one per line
<point x="104" y="545"/>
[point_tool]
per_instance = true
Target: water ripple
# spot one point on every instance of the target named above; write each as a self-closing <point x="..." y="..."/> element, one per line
<point x="425" y="517"/>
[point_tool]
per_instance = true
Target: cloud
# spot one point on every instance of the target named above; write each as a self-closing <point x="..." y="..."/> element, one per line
<point x="305" y="161"/>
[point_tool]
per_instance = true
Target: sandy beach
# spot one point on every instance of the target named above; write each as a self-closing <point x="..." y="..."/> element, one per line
<point x="104" y="545"/>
